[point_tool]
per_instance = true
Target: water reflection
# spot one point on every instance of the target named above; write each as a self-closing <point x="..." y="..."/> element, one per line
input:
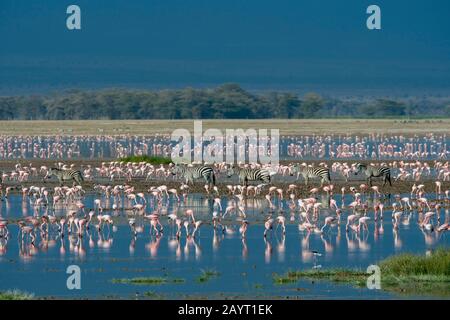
<point x="336" y="233"/>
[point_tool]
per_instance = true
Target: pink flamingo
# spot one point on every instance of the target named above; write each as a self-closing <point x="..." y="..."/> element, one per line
<point x="268" y="225"/>
<point x="243" y="228"/>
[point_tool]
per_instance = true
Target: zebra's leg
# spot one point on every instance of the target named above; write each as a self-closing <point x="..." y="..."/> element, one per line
<point x="369" y="181"/>
<point x="211" y="180"/>
<point x="389" y="179"/>
<point x="386" y="179"/>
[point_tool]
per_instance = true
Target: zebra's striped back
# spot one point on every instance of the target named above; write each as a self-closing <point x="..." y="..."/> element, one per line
<point x="249" y="174"/>
<point x="311" y="172"/>
<point x="196" y="172"/>
<point x="372" y="171"/>
<point x="318" y="172"/>
<point x="66" y="175"/>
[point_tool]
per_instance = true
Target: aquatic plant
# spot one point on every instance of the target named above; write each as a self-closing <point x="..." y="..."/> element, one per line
<point x="206" y="275"/>
<point x="154" y="295"/>
<point x="335" y="275"/>
<point x="404" y="273"/>
<point x="148" y="280"/>
<point x="16" y="295"/>
<point x="435" y="264"/>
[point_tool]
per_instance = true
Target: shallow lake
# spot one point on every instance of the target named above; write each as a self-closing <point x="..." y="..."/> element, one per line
<point x="244" y="268"/>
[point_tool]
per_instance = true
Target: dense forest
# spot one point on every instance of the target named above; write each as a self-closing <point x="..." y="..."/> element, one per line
<point x="227" y="101"/>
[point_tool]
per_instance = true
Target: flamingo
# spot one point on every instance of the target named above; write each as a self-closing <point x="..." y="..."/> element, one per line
<point x="243" y="228"/>
<point x="268" y="225"/>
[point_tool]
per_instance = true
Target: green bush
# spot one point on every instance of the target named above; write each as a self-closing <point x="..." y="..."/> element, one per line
<point x="148" y="159"/>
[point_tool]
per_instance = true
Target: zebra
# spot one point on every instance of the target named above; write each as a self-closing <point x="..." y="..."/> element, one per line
<point x="196" y="172"/>
<point x="371" y="171"/>
<point x="248" y="174"/>
<point x="312" y="172"/>
<point x="65" y="175"/>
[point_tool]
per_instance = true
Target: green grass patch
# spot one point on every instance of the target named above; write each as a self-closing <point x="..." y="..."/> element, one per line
<point x="207" y="275"/>
<point x="148" y="159"/>
<point x="436" y="264"/>
<point x="148" y="280"/>
<point x="178" y="280"/>
<point x="16" y="295"/>
<point x="154" y="295"/>
<point x="406" y="274"/>
<point x="336" y="275"/>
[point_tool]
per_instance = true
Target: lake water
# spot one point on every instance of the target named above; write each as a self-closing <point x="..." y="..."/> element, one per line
<point x="245" y="268"/>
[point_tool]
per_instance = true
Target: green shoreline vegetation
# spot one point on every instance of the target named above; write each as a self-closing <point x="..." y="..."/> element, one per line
<point x="148" y="159"/>
<point x="16" y="295"/>
<point x="405" y="274"/>
<point x="147" y="281"/>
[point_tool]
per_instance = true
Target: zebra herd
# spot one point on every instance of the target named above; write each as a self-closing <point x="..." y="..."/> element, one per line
<point x="190" y="173"/>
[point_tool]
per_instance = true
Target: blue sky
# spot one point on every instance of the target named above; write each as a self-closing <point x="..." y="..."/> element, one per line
<point x="262" y="44"/>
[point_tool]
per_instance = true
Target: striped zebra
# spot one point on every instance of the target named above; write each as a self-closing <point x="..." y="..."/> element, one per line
<point x="371" y="171"/>
<point x="312" y="172"/>
<point x="65" y="175"/>
<point x="248" y="174"/>
<point x="196" y="172"/>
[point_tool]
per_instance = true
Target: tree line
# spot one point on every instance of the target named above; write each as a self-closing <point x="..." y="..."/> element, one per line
<point x="228" y="101"/>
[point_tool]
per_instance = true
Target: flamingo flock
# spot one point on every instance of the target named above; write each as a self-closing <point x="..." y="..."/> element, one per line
<point x="74" y="212"/>
<point x="428" y="146"/>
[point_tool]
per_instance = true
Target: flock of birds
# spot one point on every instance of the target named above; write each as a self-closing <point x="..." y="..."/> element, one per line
<point x="117" y="170"/>
<point x="330" y="146"/>
<point x="68" y="211"/>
